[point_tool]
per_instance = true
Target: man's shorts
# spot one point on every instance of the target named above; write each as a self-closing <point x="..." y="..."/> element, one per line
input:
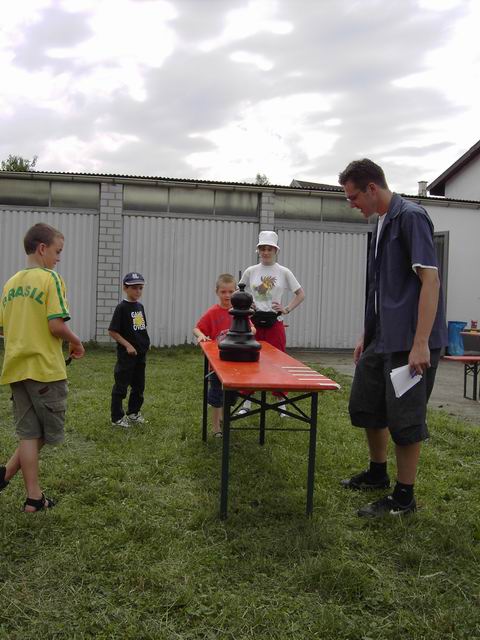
<point x="39" y="410"/>
<point x="372" y="399"/>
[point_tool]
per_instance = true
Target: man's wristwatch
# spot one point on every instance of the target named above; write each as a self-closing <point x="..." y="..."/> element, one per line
<point x="286" y="310"/>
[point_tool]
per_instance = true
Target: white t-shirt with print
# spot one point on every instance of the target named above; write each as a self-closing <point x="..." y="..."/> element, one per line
<point x="268" y="283"/>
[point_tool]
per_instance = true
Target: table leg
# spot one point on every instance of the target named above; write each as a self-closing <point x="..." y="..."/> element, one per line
<point x="263" y="399"/>
<point x="205" y="405"/>
<point x="228" y="401"/>
<point x="475" y="380"/>
<point x="311" y="452"/>
<point x="471" y="369"/>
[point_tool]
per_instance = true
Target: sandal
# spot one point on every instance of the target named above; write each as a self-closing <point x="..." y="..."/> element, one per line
<point x="217" y="434"/>
<point x="40" y="504"/>
<point x="3" y="482"/>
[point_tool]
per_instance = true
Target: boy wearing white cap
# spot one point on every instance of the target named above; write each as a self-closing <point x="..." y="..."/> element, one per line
<point x="267" y="282"/>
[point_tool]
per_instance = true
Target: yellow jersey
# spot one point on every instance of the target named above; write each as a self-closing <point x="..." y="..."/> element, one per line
<point x="30" y="299"/>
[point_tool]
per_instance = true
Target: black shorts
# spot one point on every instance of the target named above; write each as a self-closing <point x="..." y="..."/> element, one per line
<point x="215" y="391"/>
<point x="372" y="399"/>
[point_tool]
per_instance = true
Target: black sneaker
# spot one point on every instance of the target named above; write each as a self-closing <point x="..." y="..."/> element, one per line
<point x="363" y="481"/>
<point x="386" y="506"/>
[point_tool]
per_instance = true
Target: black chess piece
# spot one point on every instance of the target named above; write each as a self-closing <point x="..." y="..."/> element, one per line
<point x="239" y="345"/>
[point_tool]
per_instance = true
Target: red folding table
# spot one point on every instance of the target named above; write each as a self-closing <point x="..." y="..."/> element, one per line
<point x="471" y="366"/>
<point x="275" y="371"/>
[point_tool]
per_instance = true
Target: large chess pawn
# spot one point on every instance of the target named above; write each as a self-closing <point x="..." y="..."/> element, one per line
<point x="239" y="345"/>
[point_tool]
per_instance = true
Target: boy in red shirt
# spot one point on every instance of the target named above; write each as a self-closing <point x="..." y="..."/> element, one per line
<point x="213" y="323"/>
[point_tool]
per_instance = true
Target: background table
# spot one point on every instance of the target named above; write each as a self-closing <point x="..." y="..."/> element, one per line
<point x="471" y="365"/>
<point x="471" y="342"/>
<point x="275" y="371"/>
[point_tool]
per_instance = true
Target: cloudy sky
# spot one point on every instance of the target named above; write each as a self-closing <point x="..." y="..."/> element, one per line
<point x="223" y="89"/>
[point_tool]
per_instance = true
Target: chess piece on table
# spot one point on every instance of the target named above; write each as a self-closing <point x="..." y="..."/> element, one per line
<point x="239" y="345"/>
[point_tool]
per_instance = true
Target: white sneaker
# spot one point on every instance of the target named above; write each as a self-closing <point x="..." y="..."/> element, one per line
<point x="136" y="418"/>
<point x="282" y="415"/>
<point x="123" y="422"/>
<point x="247" y="405"/>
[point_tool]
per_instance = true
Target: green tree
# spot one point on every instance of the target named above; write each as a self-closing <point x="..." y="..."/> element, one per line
<point x="261" y="178"/>
<point x="17" y="163"/>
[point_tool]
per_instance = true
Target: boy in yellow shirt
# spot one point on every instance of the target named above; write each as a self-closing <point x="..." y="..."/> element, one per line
<point x="33" y="315"/>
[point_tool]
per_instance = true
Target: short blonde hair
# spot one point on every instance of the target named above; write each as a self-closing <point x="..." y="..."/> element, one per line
<point x="225" y="278"/>
<point x="40" y="233"/>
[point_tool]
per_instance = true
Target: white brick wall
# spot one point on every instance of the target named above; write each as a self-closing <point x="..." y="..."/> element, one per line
<point x="267" y="215"/>
<point x="109" y="256"/>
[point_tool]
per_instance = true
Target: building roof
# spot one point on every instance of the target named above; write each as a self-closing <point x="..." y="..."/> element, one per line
<point x="131" y="178"/>
<point x="120" y="177"/>
<point x="437" y="187"/>
<point x="295" y="185"/>
<point x="306" y="184"/>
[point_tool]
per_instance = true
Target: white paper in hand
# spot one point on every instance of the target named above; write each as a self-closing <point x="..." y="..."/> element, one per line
<point x="403" y="380"/>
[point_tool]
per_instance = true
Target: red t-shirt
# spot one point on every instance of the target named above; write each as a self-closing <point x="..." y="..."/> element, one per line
<point x="215" y="320"/>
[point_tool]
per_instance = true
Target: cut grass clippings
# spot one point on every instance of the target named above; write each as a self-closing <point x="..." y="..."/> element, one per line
<point x="134" y="548"/>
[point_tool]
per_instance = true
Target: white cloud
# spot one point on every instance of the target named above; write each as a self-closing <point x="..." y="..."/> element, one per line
<point x="71" y="153"/>
<point x="126" y="39"/>
<point x="122" y="30"/>
<point x="76" y="6"/>
<point x="266" y="138"/>
<point x="333" y="122"/>
<point x="16" y="84"/>
<point x="16" y="17"/>
<point x="251" y="58"/>
<point x="256" y="17"/>
<point x="42" y="88"/>
<point x="286" y="87"/>
<point x="438" y="5"/>
<point x="452" y="70"/>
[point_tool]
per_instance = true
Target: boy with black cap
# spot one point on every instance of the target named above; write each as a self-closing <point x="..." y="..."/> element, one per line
<point x="128" y="328"/>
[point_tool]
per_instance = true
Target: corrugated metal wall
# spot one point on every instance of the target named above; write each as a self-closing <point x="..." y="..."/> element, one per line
<point x="331" y="267"/>
<point x="180" y="260"/>
<point x="78" y="264"/>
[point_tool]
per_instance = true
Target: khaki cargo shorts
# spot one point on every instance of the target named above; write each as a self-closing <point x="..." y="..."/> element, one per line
<point x="39" y="409"/>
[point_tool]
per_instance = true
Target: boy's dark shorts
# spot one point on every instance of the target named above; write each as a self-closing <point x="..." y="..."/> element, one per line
<point x="215" y="392"/>
<point x="39" y="410"/>
<point x="372" y="399"/>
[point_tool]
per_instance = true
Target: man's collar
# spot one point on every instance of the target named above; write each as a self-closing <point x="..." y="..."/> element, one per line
<point x="392" y="212"/>
<point x="394" y="207"/>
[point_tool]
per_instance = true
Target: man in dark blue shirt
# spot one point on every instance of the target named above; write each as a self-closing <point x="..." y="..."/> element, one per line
<point x="404" y="325"/>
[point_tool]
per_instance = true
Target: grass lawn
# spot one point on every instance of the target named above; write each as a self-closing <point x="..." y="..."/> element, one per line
<point x="135" y="548"/>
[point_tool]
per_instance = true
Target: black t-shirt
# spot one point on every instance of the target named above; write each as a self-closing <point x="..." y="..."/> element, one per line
<point x="130" y="322"/>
